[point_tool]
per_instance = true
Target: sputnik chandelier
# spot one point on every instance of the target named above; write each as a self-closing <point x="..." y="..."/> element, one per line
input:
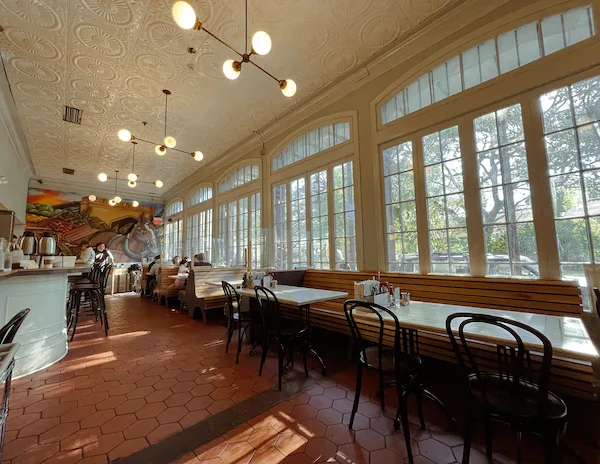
<point x="185" y="17"/>
<point x="132" y="178"/>
<point x="168" y="142"/>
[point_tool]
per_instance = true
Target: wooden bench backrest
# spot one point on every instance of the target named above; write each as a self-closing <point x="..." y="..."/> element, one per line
<point x="165" y="271"/>
<point x="200" y="275"/>
<point x="554" y="297"/>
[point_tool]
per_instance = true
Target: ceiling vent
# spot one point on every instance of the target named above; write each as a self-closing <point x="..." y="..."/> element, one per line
<point x="72" y="115"/>
<point x="68" y="171"/>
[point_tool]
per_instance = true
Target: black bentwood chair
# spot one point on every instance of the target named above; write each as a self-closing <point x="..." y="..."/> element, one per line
<point x="512" y="391"/>
<point x="8" y="332"/>
<point x="237" y="319"/>
<point x="401" y="363"/>
<point x="287" y="332"/>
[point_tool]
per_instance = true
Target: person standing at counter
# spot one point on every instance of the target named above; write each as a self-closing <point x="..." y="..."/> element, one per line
<point x="103" y="254"/>
<point x="87" y="255"/>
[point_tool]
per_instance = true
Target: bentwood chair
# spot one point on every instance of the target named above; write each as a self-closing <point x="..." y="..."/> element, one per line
<point x="398" y="365"/>
<point x="237" y="319"/>
<point x="512" y="388"/>
<point x="288" y="333"/>
<point x="597" y="294"/>
<point x="8" y="332"/>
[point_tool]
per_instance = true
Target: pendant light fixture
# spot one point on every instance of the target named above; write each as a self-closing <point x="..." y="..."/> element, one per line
<point x="168" y="142"/>
<point x="132" y="177"/>
<point x="185" y="17"/>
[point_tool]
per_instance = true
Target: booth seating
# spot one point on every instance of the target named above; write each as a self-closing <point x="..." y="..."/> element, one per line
<point x="144" y="279"/>
<point x="555" y="298"/>
<point x="164" y="286"/>
<point x="198" y="295"/>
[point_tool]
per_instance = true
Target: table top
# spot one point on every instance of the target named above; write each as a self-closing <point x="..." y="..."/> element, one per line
<point x="299" y="296"/>
<point x="178" y="276"/>
<point x="55" y="271"/>
<point x="568" y="335"/>
<point x="217" y="283"/>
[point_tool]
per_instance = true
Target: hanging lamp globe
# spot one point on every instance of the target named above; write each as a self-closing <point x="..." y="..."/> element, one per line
<point x="124" y="135"/>
<point x="261" y="43"/>
<point x="117" y="199"/>
<point x="111" y="202"/>
<point x="132" y="183"/>
<point x="232" y="69"/>
<point x="92" y="198"/>
<point x="185" y="16"/>
<point x="160" y="150"/>
<point x="135" y="203"/>
<point x="132" y="177"/>
<point x="102" y="177"/>
<point x="288" y="87"/>
<point x="198" y="155"/>
<point x="170" y="142"/>
<point x="158" y="183"/>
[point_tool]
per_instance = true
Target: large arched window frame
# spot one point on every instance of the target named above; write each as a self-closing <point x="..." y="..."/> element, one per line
<point x="199" y="221"/>
<point x="314" y="201"/>
<point x="238" y="231"/>
<point x="500" y="123"/>
<point x="173" y="235"/>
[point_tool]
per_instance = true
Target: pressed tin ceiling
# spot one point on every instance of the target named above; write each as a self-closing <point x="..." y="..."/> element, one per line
<point x="112" y="58"/>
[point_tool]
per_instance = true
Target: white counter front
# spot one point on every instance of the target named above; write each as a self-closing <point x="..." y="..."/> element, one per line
<point x="43" y="335"/>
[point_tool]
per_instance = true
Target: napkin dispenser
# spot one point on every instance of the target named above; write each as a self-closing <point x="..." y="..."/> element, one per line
<point x="369" y="290"/>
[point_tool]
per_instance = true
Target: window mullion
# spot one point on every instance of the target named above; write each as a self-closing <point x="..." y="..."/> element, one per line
<point x="330" y="217"/>
<point x="541" y="194"/>
<point x="475" y="234"/>
<point x="421" y="207"/>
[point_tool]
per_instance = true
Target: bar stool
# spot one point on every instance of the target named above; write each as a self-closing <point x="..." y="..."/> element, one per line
<point x="8" y="332"/>
<point x="93" y="290"/>
<point x="508" y="390"/>
<point x="400" y="363"/>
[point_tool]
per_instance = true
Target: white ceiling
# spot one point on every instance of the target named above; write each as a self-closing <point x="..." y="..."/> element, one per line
<point x="112" y="58"/>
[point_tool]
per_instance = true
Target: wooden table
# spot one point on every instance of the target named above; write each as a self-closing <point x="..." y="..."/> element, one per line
<point x="301" y="297"/>
<point x="178" y="276"/>
<point x="568" y="335"/>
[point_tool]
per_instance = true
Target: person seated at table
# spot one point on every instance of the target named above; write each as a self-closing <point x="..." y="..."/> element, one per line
<point x="87" y="255"/>
<point x="176" y="260"/>
<point x="200" y="260"/>
<point x="151" y="276"/>
<point x="103" y="254"/>
<point x="183" y="266"/>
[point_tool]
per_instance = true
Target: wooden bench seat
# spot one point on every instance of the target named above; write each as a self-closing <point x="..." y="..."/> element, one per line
<point x="201" y="296"/>
<point x="557" y="298"/>
<point x="165" y="287"/>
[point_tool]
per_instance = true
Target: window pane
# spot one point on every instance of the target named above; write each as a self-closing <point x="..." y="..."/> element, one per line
<point x="344" y="218"/>
<point x="528" y="44"/>
<point x="552" y="33"/>
<point x="488" y="60"/>
<point x="471" y="74"/>
<point x="507" y="49"/>
<point x="577" y="25"/>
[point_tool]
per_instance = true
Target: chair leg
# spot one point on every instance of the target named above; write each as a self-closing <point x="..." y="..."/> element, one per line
<point x="281" y="355"/>
<point x="229" y="334"/>
<point x="75" y="321"/>
<point x="381" y="391"/>
<point x="467" y="435"/>
<point x="263" y="358"/>
<point x="552" y="439"/>
<point x="356" y="393"/>
<point x="305" y="357"/>
<point x="488" y="439"/>
<point x="404" y="419"/>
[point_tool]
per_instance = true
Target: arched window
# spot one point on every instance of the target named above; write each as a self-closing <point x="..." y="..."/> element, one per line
<point x="314" y="213"/>
<point x="241" y="176"/>
<point x="311" y="143"/>
<point x="489" y="59"/>
<point x="173" y="238"/>
<point x="199" y="195"/>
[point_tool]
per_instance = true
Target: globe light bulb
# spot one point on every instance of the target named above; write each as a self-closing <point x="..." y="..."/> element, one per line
<point x="288" y="87"/>
<point x="102" y="177"/>
<point x="92" y="198"/>
<point x="135" y="203"/>
<point x="261" y="43"/>
<point x="170" y="142"/>
<point x="160" y="150"/>
<point x="132" y="177"/>
<point x="231" y="69"/>
<point x="158" y="183"/>
<point x="124" y="135"/>
<point x="117" y="199"/>
<point x="132" y="183"/>
<point x="111" y="202"/>
<point x="198" y="155"/>
<point x="184" y="15"/>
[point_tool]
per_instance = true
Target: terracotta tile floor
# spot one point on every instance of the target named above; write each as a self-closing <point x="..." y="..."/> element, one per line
<point x="312" y="427"/>
<point x="157" y="373"/>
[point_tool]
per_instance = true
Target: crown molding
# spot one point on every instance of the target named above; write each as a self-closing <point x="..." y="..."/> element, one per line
<point x="85" y="189"/>
<point x="400" y="50"/>
<point x="10" y="121"/>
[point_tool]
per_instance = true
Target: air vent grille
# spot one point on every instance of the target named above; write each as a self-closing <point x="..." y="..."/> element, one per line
<point x="72" y="115"/>
<point x="68" y="171"/>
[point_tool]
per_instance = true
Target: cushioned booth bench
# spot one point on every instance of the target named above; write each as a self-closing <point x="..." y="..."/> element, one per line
<point x="558" y="298"/>
<point x="199" y="296"/>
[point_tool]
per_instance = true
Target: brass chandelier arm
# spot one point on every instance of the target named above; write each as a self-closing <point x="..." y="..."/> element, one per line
<point x="154" y="143"/>
<point x="222" y="41"/>
<point x="264" y="70"/>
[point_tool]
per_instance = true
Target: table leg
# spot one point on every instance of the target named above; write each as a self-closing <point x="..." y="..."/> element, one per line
<point x="311" y="350"/>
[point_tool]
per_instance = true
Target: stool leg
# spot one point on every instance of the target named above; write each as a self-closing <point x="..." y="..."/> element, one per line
<point x="76" y="318"/>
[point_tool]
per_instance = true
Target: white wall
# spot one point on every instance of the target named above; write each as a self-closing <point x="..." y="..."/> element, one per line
<point x="15" y="163"/>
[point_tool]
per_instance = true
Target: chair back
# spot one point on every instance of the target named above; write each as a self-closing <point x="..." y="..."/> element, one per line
<point x="232" y="300"/>
<point x="513" y="364"/>
<point x="270" y="310"/>
<point x="405" y="340"/>
<point x="95" y="272"/>
<point x="597" y="294"/>
<point x="104" y="275"/>
<point x="8" y="332"/>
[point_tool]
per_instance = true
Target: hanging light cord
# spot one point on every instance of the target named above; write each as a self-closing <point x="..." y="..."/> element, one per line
<point x="246" y="49"/>
<point x="116" y="178"/>
<point x="166" y="110"/>
<point x="133" y="159"/>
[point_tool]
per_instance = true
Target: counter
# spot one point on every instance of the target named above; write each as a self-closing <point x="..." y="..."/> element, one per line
<point x="43" y="335"/>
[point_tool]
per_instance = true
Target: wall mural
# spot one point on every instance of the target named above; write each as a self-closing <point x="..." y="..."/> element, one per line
<point x="129" y="233"/>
